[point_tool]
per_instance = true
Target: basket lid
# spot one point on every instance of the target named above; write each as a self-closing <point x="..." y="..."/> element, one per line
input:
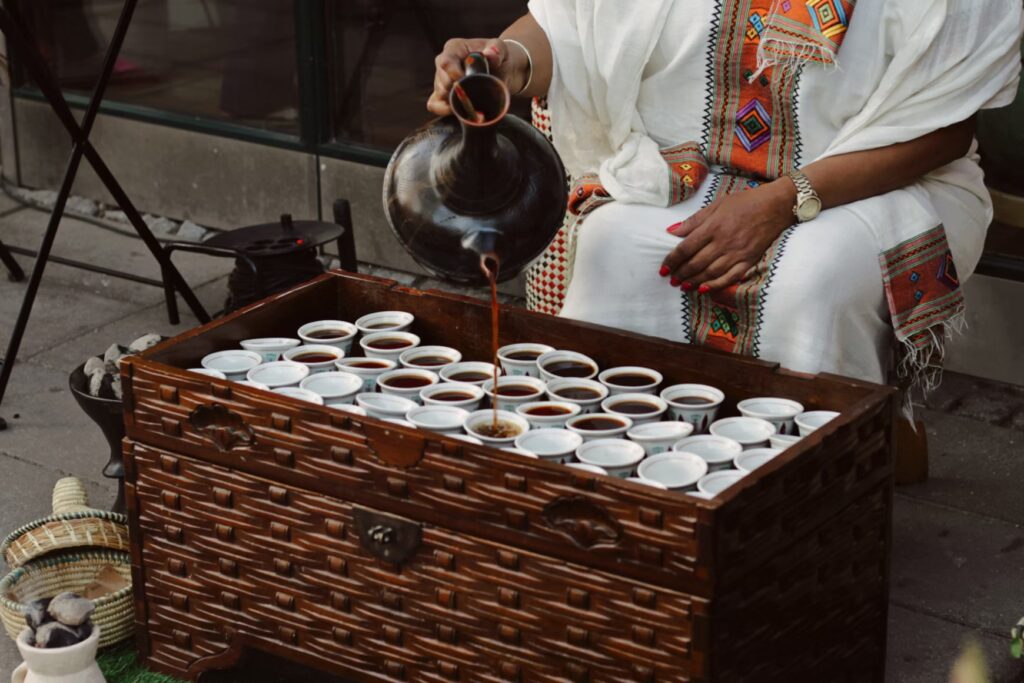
<point x="73" y="524"/>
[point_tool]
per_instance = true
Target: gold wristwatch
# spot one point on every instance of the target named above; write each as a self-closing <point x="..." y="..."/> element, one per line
<point x="808" y="203"/>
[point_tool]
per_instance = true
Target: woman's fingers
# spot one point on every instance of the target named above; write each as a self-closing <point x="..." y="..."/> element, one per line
<point x="684" y="252"/>
<point x="720" y="275"/>
<point x="697" y="264"/>
<point x="687" y="227"/>
<point x="448" y="67"/>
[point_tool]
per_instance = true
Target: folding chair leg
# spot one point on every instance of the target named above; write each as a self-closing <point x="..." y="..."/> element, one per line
<point x="14" y="271"/>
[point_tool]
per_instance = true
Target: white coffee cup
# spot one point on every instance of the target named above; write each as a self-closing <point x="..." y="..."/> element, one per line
<point x="551" y="358"/>
<point x="515" y="367"/>
<point x="270" y="348"/>
<point x="580" y="425"/>
<point x="467" y="438"/>
<point x="717" y="482"/>
<point x="349" y="408"/>
<point x="280" y="373"/>
<point x="216" y="374"/>
<point x="682" y="398"/>
<point x="388" y="383"/>
<point x="336" y="388"/>
<point x="534" y="386"/>
<point x="384" y="406"/>
<point x="369" y="375"/>
<point x="647" y="482"/>
<point x="554" y="445"/>
<point x="391" y="321"/>
<point x="609" y="376"/>
<point x="587" y="467"/>
<point x="474" y="395"/>
<point x="440" y="419"/>
<point x="333" y="352"/>
<point x="521" y="452"/>
<point x="560" y="390"/>
<point x="300" y="394"/>
<point x="481" y="372"/>
<point x="234" y="363"/>
<point x="481" y="420"/>
<point x="618" y="457"/>
<point x="750" y="432"/>
<point x="814" y="420"/>
<point x="252" y="385"/>
<point x="412" y="357"/>
<point x="658" y="437"/>
<point x="370" y="351"/>
<point x="755" y="457"/>
<point x="783" y="441"/>
<point x="675" y="471"/>
<point x="717" y="451"/>
<point x="781" y="412"/>
<point x="564" y="411"/>
<point x="309" y="332"/>
<point x="658" y="407"/>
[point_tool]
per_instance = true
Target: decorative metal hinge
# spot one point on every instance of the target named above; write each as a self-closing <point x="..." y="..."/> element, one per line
<point x="388" y="538"/>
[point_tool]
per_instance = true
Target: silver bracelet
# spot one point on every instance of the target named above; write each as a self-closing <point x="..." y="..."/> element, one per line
<point x="529" y="61"/>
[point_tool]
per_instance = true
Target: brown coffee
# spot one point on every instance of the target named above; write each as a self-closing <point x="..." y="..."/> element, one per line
<point x="548" y="411"/>
<point x="328" y="334"/>
<point x="499" y="430"/>
<point x="569" y="368"/>
<point x="516" y="390"/>
<point x="390" y="343"/>
<point x="630" y="379"/>
<point x="407" y="382"/>
<point x="369" y="364"/>
<point x="452" y="396"/>
<point x="578" y="393"/>
<point x="598" y="424"/>
<point x="634" y="407"/>
<point x="693" y="401"/>
<point x="469" y="376"/>
<point x="382" y="326"/>
<point x="523" y="355"/>
<point x="314" y="357"/>
<point x="430" y="361"/>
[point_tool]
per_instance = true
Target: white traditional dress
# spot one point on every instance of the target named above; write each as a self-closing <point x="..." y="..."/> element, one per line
<point x="660" y="106"/>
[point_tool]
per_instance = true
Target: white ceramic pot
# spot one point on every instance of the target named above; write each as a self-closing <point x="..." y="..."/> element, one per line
<point x="72" y="664"/>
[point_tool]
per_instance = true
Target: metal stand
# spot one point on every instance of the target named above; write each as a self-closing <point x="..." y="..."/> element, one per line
<point x="14" y="271"/>
<point x="19" y="41"/>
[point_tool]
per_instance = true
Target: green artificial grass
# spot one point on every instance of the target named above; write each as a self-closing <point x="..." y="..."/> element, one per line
<point x="121" y="665"/>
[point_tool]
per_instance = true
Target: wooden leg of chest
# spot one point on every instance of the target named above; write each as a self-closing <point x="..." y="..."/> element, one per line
<point x="911" y="452"/>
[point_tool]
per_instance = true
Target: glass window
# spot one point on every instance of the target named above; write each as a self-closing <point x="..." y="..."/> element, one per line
<point x="233" y="60"/>
<point x="381" y="61"/>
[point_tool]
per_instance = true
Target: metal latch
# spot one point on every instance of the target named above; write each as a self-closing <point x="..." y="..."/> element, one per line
<point x="388" y="538"/>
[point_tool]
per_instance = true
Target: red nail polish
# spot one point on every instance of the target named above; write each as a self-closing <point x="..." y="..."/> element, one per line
<point x="673" y="227"/>
<point x="703" y="289"/>
<point x="687" y="286"/>
<point x="674" y="281"/>
<point x="664" y="271"/>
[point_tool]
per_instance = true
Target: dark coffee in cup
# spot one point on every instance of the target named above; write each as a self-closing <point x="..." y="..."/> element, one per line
<point x="598" y="424"/>
<point x="389" y="343"/>
<point x="524" y="355"/>
<point x="451" y="396"/>
<point x="328" y="334"/>
<point x="516" y="390"/>
<point x="578" y="393"/>
<point x="469" y="376"/>
<point x="548" y="411"/>
<point x="499" y="430"/>
<point x="369" y="364"/>
<point x="630" y="379"/>
<point x="407" y="382"/>
<point x="382" y="326"/>
<point x="569" y="368"/>
<point x="314" y="357"/>
<point x="634" y="407"/>
<point x="693" y="400"/>
<point x="430" y="361"/>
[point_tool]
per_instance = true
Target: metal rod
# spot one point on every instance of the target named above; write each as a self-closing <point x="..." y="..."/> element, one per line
<point x="347" y="241"/>
<point x="81" y="265"/>
<point x="14" y="271"/>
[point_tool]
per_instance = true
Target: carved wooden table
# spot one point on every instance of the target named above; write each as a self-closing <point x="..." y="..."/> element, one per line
<point x="379" y="553"/>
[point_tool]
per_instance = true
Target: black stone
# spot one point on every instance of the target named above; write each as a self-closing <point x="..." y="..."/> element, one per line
<point x="71" y="609"/>
<point x="55" y="634"/>
<point x="36" y="614"/>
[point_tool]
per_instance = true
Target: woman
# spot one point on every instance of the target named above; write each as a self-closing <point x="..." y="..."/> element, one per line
<point x="791" y="179"/>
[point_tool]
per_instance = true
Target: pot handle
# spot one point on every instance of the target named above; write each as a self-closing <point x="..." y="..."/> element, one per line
<point x="19" y="674"/>
<point x="475" y="64"/>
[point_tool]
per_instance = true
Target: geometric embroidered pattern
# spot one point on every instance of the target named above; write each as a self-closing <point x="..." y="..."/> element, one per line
<point x="829" y="17"/>
<point x="753" y="125"/>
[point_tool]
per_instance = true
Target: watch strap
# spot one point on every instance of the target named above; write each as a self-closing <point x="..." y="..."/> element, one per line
<point x="804" y="190"/>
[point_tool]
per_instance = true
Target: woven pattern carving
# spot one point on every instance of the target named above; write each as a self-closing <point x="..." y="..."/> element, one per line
<point x="223" y="548"/>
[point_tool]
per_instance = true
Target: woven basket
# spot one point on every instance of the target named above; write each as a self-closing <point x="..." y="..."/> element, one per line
<point x="71" y="571"/>
<point x="73" y="524"/>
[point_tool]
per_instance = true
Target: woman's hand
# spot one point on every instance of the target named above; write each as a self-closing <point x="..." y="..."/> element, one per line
<point x="449" y="68"/>
<point x="728" y="238"/>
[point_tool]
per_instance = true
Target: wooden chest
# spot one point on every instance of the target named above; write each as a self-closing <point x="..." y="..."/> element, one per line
<point x="385" y="554"/>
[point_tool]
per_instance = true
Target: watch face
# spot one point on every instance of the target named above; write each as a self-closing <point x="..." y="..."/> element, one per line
<point x="808" y="209"/>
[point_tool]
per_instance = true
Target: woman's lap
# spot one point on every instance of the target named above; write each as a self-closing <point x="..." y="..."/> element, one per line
<point x="823" y="310"/>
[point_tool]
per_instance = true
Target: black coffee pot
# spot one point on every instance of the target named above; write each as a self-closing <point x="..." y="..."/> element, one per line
<point x="464" y="191"/>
